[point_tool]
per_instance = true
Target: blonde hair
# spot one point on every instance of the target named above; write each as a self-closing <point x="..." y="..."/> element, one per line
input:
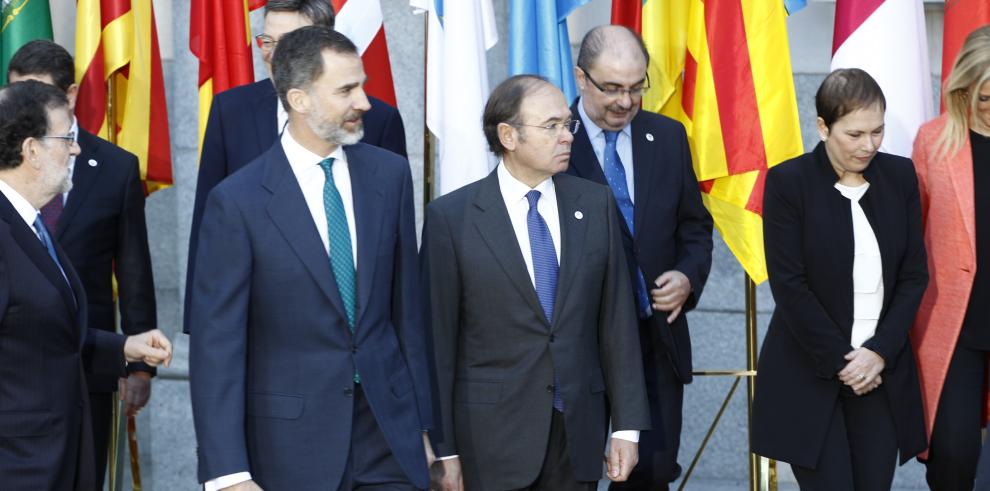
<point x="961" y="89"/>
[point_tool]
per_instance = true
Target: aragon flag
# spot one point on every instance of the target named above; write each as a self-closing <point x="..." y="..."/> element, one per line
<point x="117" y="47"/>
<point x="21" y="21"/>
<point x="722" y="68"/>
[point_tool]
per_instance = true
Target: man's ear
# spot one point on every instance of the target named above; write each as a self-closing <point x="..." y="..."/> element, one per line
<point x="508" y="136"/>
<point x="298" y="101"/>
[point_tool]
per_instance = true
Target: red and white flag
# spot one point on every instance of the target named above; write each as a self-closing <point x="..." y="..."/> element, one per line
<point x="361" y="22"/>
<point x="961" y="18"/>
<point x="887" y="39"/>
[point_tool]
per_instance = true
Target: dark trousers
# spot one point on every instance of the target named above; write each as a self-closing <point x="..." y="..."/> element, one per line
<point x="101" y="413"/>
<point x="860" y="451"/>
<point x="956" y="440"/>
<point x="658" y="448"/>
<point x="556" y="473"/>
<point x="370" y="463"/>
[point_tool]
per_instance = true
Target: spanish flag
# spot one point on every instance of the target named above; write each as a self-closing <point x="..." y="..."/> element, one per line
<point x="722" y="68"/>
<point x="117" y="60"/>
<point x="220" y="37"/>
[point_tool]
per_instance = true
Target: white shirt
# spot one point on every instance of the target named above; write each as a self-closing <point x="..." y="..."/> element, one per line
<point x="623" y="146"/>
<point x="306" y="167"/>
<point x="867" y="270"/>
<point x="281" y="115"/>
<point x="22" y="206"/>
<point x="514" y="194"/>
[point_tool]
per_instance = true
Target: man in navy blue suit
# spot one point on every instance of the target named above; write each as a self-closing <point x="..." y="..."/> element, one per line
<point x="101" y="226"/>
<point x="245" y="121"/>
<point x="667" y="233"/>
<point x="46" y="344"/>
<point x="308" y="351"/>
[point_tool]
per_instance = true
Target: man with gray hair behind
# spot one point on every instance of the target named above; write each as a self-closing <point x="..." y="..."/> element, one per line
<point x="308" y="353"/>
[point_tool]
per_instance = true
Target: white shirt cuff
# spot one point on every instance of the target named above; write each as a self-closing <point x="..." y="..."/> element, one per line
<point x="226" y="481"/>
<point x="628" y="435"/>
<point x="448" y="457"/>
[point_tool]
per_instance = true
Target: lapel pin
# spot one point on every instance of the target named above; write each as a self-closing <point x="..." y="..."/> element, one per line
<point x="578" y="215"/>
<point x="649" y="137"/>
<point x="92" y="162"/>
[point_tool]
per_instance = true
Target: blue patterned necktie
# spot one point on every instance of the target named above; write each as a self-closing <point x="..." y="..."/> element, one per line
<point x="545" y="270"/>
<point x="615" y="174"/>
<point x="46" y="240"/>
<point x="339" y="235"/>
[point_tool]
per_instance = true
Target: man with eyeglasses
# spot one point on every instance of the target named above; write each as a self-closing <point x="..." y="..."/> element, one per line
<point x="532" y="317"/>
<point x="101" y="226"/>
<point x="246" y="121"/>
<point x="666" y="231"/>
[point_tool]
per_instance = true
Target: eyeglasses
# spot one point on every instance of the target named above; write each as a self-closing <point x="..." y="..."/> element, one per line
<point x="571" y="125"/>
<point x="615" y="92"/>
<point x="265" y="42"/>
<point x="69" y="139"/>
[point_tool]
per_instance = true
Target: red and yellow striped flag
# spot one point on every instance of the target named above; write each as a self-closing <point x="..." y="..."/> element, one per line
<point x="722" y="68"/>
<point x="117" y="47"/>
<point x="220" y="37"/>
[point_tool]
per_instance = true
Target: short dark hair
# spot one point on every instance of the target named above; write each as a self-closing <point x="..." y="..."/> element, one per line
<point x="598" y="38"/>
<point x="298" y="61"/>
<point x="846" y="90"/>
<point x="503" y="106"/>
<point x="43" y="57"/>
<point x="319" y="12"/>
<point x="24" y="110"/>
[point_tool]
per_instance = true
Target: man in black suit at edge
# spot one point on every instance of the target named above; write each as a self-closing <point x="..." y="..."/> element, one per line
<point x="246" y="121"/>
<point x="101" y="226"/>
<point x="666" y="231"/>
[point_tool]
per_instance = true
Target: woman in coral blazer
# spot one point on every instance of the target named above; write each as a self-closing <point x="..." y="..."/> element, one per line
<point x="951" y="335"/>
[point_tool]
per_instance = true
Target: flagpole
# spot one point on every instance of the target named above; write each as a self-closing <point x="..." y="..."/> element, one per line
<point x="427" y="146"/>
<point x="762" y="471"/>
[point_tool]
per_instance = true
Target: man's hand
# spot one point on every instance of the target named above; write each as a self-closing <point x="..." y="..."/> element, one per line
<point x="445" y="475"/>
<point x="135" y="390"/>
<point x="862" y="373"/>
<point x="430" y="457"/>
<point x="622" y="457"/>
<point x="672" y="290"/>
<point x="243" y="486"/>
<point x="150" y="347"/>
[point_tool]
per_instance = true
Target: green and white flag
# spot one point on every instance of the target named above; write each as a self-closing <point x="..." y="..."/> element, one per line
<point x="21" y="21"/>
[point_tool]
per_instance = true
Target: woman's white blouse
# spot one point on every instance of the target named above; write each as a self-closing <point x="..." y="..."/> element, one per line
<point x="867" y="269"/>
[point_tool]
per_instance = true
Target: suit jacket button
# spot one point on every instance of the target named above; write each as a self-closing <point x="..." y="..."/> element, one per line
<point x="552" y="338"/>
<point x="348" y="392"/>
<point x="550" y="389"/>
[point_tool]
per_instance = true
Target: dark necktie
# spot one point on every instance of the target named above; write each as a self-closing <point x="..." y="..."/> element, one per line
<point x="341" y="256"/>
<point x="615" y="174"/>
<point x="545" y="270"/>
<point x="51" y="212"/>
<point x="46" y="240"/>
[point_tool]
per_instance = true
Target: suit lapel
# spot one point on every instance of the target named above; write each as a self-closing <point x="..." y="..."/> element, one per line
<point x="583" y="159"/>
<point x="368" y="210"/>
<point x="267" y="121"/>
<point x="28" y="241"/>
<point x="960" y="167"/>
<point x="291" y="215"/>
<point x="572" y="241"/>
<point x="84" y="177"/>
<point x="644" y="156"/>
<point x="838" y="213"/>
<point x="492" y="221"/>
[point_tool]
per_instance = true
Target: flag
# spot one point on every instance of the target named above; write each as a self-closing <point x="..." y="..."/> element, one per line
<point x="220" y="37"/>
<point x="361" y="22"/>
<point x="117" y="45"/>
<point x="459" y="34"/>
<point x="887" y="39"/>
<point x="21" y="21"/>
<point x="722" y="68"/>
<point x="538" y="41"/>
<point x="961" y="18"/>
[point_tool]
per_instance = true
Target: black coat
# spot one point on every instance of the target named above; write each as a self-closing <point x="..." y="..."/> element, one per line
<point x="809" y="243"/>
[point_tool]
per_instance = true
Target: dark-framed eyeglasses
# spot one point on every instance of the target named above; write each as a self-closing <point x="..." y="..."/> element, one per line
<point x="265" y="42"/>
<point x="69" y="138"/>
<point x="615" y="92"/>
<point x="571" y="126"/>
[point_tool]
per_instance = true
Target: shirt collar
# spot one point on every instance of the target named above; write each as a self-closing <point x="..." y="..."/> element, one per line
<point x="24" y="208"/>
<point x="514" y="190"/>
<point x="593" y="129"/>
<point x="300" y="158"/>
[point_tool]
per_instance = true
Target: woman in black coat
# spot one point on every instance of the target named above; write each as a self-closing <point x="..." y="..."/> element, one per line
<point x="837" y="392"/>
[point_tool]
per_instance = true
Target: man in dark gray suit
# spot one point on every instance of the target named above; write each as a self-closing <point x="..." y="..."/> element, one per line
<point x="532" y="314"/>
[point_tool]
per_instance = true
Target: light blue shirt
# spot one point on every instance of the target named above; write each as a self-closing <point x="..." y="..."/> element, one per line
<point x="623" y="145"/>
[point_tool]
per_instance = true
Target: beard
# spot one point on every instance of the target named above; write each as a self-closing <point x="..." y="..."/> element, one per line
<point x="333" y="132"/>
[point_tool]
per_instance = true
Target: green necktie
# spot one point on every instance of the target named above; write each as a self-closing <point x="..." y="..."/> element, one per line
<point x="341" y="258"/>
